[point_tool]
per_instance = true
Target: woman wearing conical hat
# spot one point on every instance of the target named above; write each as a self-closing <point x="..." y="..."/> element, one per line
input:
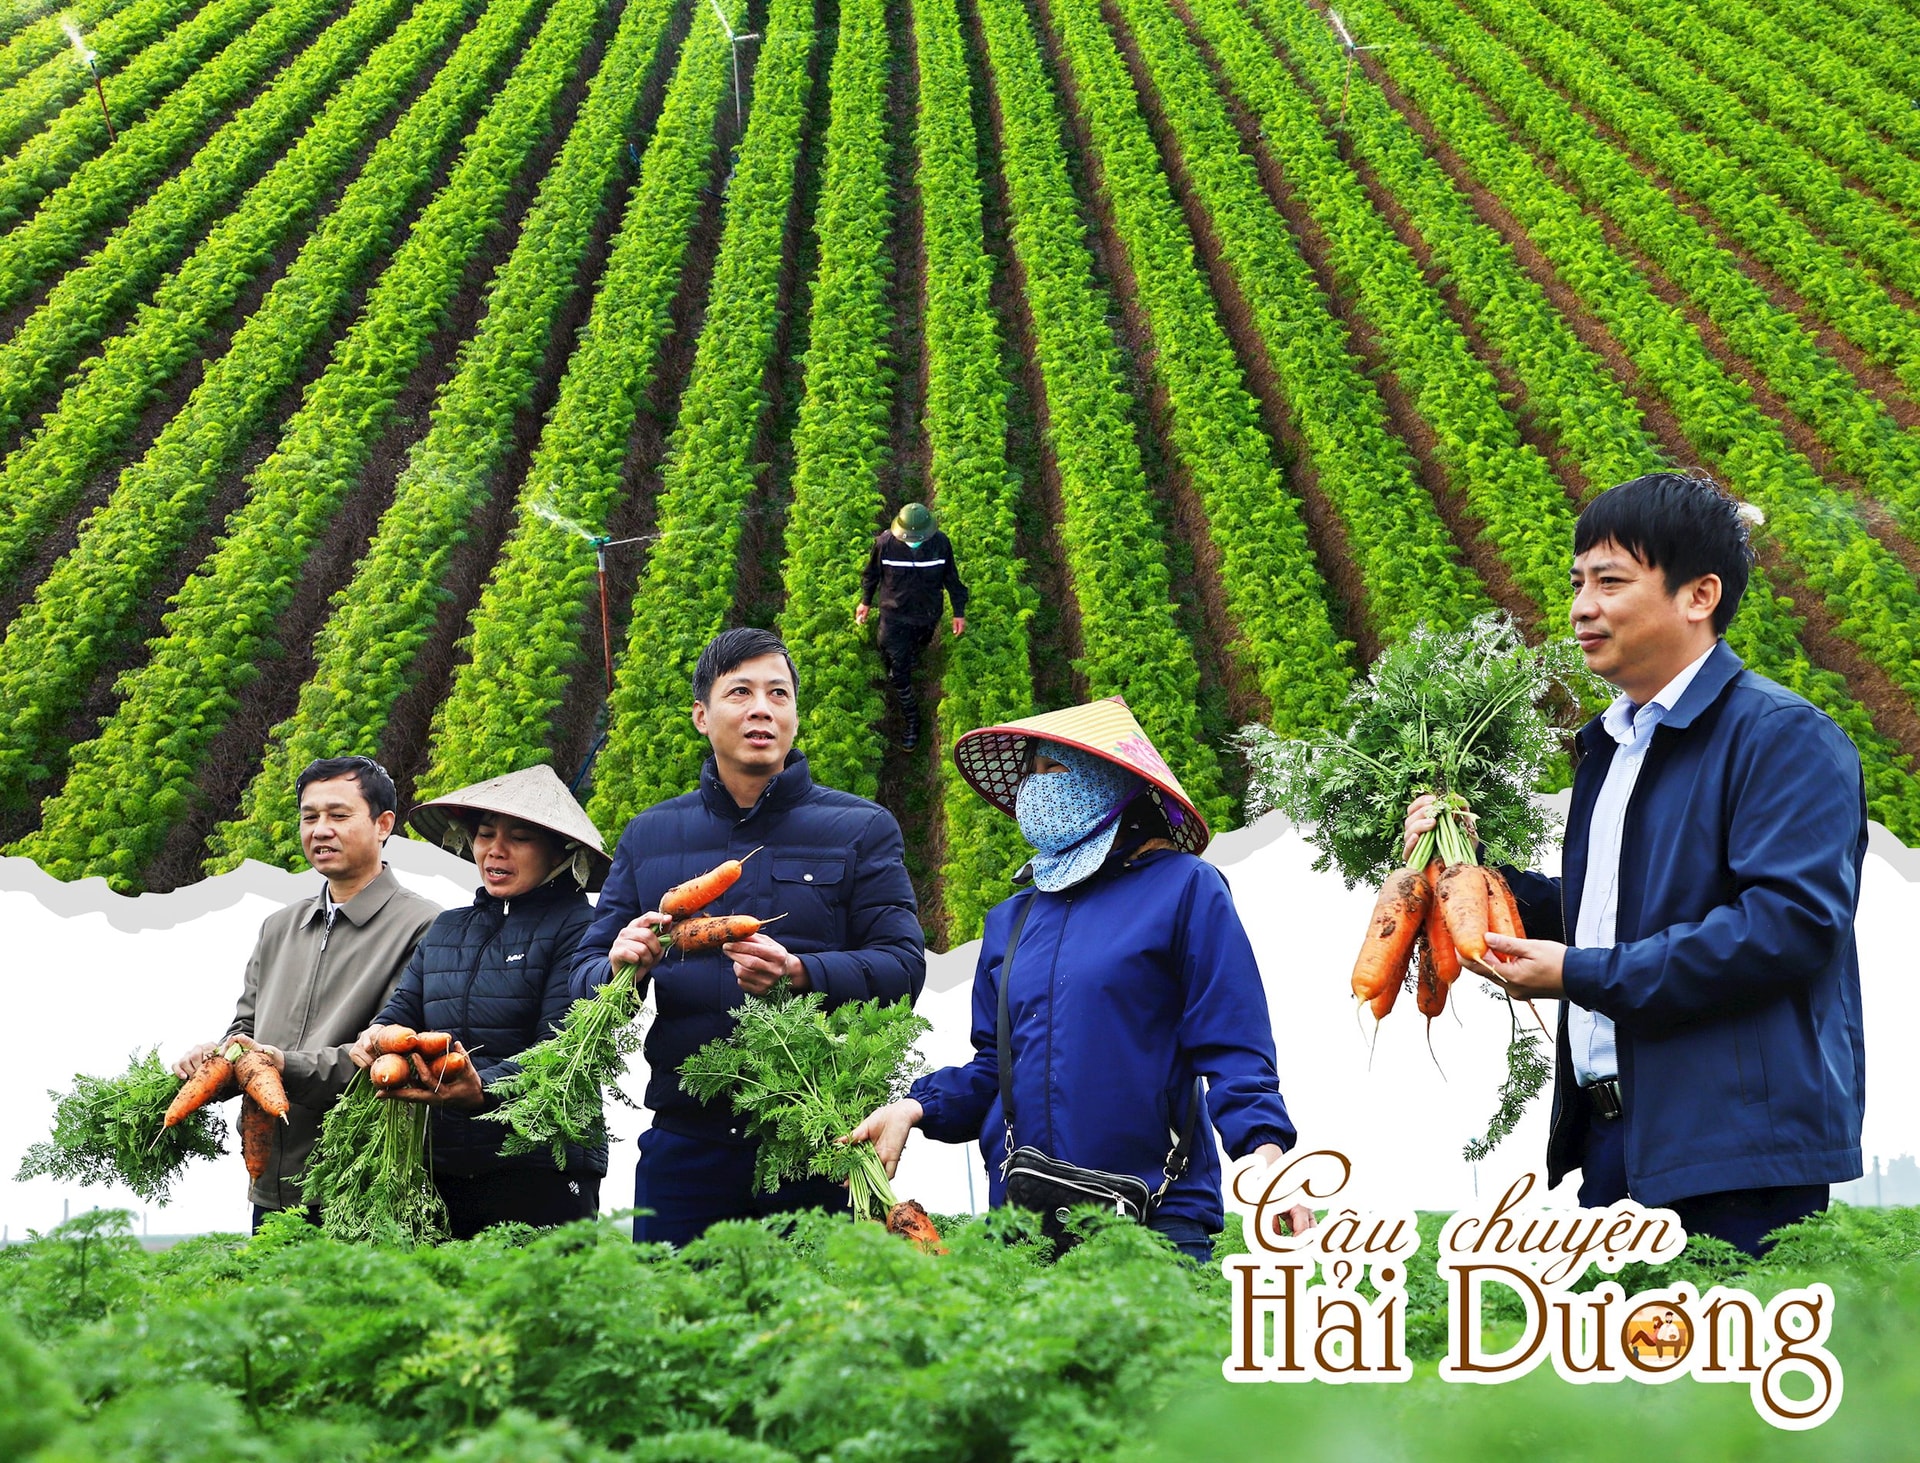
<point x="494" y="975"/>
<point x="1133" y="977"/>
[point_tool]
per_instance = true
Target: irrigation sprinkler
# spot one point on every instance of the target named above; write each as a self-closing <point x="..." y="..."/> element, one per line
<point x="1353" y="49"/>
<point x="91" y="60"/>
<point x="734" y="43"/>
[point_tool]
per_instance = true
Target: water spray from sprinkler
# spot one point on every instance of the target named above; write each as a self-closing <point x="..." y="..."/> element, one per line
<point x="90" y="59"/>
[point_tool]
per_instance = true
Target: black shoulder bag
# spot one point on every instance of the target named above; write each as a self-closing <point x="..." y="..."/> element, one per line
<point x="1051" y="1188"/>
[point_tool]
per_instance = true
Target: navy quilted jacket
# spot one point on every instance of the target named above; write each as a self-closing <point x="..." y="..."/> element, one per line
<point x="494" y="975"/>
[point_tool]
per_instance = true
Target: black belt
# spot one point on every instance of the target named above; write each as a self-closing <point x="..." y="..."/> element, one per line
<point x="1605" y="1097"/>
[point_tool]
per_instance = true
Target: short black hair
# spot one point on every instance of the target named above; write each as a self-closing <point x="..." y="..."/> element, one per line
<point x="1683" y="524"/>
<point x="376" y="783"/>
<point x="733" y="648"/>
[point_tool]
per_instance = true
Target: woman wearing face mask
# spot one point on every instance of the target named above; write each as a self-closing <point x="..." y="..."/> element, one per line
<point x="1133" y="978"/>
<point x="494" y="976"/>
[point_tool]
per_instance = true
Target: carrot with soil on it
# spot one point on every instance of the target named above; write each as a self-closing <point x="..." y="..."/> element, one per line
<point x="1462" y="895"/>
<point x="697" y="893"/>
<point x="256" y="1136"/>
<point x="910" y="1220"/>
<point x="1398" y="915"/>
<point x="710" y="932"/>
<point x="212" y="1083"/>
<point x="1430" y="992"/>
<point x="1503" y="910"/>
<point x="1446" y="958"/>
<point x="259" y="1079"/>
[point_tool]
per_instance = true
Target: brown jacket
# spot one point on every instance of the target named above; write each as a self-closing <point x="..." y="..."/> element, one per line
<point x="311" y="991"/>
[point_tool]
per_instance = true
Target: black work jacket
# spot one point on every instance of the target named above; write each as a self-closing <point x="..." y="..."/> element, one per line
<point x="910" y="580"/>
<point x="832" y="863"/>
<point x="495" y="976"/>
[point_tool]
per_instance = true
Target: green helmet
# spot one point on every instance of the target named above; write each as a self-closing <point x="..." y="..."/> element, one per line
<point x="914" y="523"/>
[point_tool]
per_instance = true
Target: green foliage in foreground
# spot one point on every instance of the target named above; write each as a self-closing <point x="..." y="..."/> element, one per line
<point x="825" y="1340"/>
<point x="751" y="1346"/>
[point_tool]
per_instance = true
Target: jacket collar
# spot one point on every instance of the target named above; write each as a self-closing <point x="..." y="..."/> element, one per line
<point x="539" y="894"/>
<point x="1713" y="677"/>
<point x="363" y="906"/>
<point x="789" y="785"/>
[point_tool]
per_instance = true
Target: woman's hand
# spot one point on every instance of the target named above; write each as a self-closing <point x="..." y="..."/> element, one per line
<point x="1299" y="1217"/>
<point x="887" y="1128"/>
<point x="638" y="942"/>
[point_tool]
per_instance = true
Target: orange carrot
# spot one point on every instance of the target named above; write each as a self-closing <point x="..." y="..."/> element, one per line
<point x="204" y="1086"/>
<point x="1439" y="947"/>
<point x="447" y="1064"/>
<point x="256" y="1136"/>
<point x="389" y="1070"/>
<point x="1383" y="1003"/>
<point x="1397" y="916"/>
<point x="912" y="1222"/>
<point x="1503" y="910"/>
<point x="1462" y="892"/>
<point x="431" y="1044"/>
<point x="696" y="894"/>
<point x="396" y="1039"/>
<point x="694" y="936"/>
<point x="260" y="1081"/>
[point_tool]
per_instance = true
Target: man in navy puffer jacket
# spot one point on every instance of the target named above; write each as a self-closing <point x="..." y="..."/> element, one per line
<point x="830" y="863"/>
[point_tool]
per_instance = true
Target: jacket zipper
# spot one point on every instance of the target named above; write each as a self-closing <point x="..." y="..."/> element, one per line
<point x="1053" y="990"/>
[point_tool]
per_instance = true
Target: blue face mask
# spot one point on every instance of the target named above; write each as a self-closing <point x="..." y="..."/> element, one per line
<point x="1072" y="817"/>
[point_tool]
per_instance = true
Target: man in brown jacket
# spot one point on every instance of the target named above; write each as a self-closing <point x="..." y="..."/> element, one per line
<point x="322" y="969"/>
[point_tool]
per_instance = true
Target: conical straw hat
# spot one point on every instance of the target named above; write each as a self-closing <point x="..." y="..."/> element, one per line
<point x="991" y="758"/>
<point x="533" y="795"/>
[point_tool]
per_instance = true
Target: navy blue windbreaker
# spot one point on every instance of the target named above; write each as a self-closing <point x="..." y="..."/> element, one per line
<point x="1734" y="987"/>
<point x="1127" y="986"/>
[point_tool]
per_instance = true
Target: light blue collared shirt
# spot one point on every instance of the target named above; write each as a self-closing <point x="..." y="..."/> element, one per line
<point x="1589" y="1034"/>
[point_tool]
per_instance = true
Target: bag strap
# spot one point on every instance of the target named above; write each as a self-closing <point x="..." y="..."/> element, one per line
<point x="1178" y="1157"/>
<point x="1003" y="1031"/>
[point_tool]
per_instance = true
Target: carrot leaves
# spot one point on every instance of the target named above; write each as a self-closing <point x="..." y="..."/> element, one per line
<point x="111" y="1130"/>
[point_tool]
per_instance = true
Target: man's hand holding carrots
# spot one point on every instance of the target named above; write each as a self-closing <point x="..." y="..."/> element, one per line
<point x="638" y="942"/>
<point x="759" y="961"/>
<point x="1527" y="970"/>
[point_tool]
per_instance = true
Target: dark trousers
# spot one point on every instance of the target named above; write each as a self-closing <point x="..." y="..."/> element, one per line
<point x="1741" y="1217"/>
<point x="537" y="1196"/>
<point x="690" y="1183"/>
<point x="900" y="647"/>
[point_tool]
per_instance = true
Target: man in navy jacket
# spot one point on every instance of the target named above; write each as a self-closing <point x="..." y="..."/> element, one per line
<point x="829" y="862"/>
<point x="1710" y="1055"/>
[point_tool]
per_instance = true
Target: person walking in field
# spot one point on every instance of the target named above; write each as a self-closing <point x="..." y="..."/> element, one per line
<point x="911" y="568"/>
<point x="321" y="968"/>
<point x="1710" y="1054"/>
<point x="830" y="865"/>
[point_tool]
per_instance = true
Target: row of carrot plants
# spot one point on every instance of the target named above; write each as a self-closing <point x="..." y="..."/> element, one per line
<point x="1504" y="483"/>
<point x="528" y="631"/>
<point x="842" y="432"/>
<point x="60" y="79"/>
<point x="96" y="415"/>
<point x="1274" y="591"/>
<point x="103" y="191"/>
<point x="32" y="34"/>
<point x="365" y="654"/>
<point x="1591" y="40"/>
<point x="1873" y="35"/>
<point x="129" y="785"/>
<point x="1569" y="390"/>
<point x="72" y="626"/>
<point x="1797" y="42"/>
<point x="1116" y="559"/>
<point x="1833" y="286"/>
<point x="170" y="78"/>
<point x="1869" y="591"/>
<point x="988" y="675"/>
<point x="1788" y="105"/>
<point x="1711" y="409"/>
<point x="1856" y="427"/>
<point x="686" y="592"/>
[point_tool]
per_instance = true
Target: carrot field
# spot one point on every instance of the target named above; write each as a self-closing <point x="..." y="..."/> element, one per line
<point x="1229" y="339"/>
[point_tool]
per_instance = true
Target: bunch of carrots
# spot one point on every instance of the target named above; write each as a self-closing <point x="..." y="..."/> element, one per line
<point x="243" y="1071"/>
<point x="555" y="1098"/>
<point x="409" y="1058"/>
<point x="1442" y="906"/>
